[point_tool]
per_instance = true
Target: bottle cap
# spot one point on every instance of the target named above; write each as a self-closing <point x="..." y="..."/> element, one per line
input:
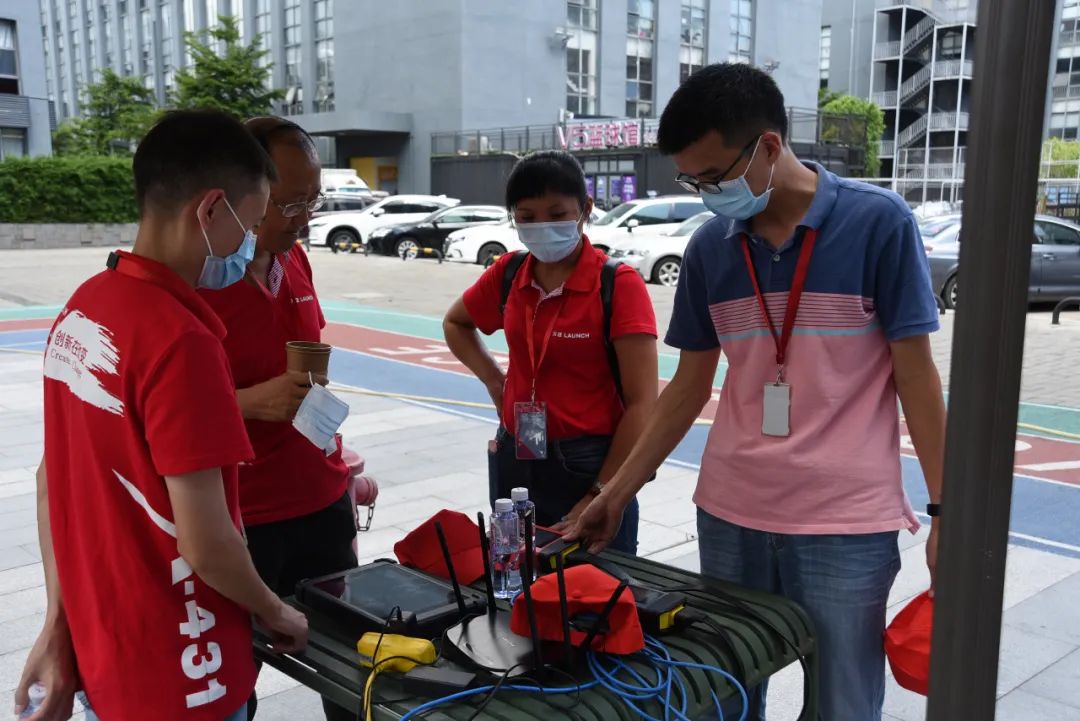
<point x="519" y="494"/>
<point x="504" y="505"/>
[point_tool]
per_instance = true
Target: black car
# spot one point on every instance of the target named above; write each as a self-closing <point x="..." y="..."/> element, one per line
<point x="430" y="232"/>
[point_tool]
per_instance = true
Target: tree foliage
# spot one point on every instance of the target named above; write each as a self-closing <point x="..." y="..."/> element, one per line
<point x="225" y="74"/>
<point x="116" y="113"/>
<point x="874" y="118"/>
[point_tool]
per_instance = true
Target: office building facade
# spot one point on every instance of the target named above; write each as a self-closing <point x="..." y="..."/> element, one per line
<point x="377" y="79"/>
<point x="25" y="114"/>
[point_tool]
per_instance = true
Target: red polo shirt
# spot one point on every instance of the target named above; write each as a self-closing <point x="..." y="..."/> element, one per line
<point x="137" y="387"/>
<point x="289" y="477"/>
<point x="574" y="378"/>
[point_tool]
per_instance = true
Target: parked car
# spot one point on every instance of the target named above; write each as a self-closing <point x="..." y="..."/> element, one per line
<point x="348" y="231"/>
<point x="657" y="256"/>
<point x="431" y="232"/>
<point x="484" y="243"/>
<point x="657" y="214"/>
<point x="344" y="202"/>
<point x="1055" y="261"/>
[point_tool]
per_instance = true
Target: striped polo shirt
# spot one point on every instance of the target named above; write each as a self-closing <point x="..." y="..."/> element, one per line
<point x="868" y="284"/>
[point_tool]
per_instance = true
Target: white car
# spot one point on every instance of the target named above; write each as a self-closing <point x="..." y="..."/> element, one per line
<point x="348" y="231"/>
<point x="654" y="214"/>
<point x="484" y="243"/>
<point x="658" y="256"/>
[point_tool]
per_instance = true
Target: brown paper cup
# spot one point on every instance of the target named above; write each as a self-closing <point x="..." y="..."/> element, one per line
<point x="308" y="357"/>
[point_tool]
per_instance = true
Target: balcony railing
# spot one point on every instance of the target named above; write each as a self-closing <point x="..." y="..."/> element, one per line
<point x="918" y="33"/>
<point x="886" y="148"/>
<point x="953" y="69"/>
<point x="886" y="99"/>
<point x="949" y="121"/>
<point x="1066" y="91"/>
<point x="912" y="132"/>
<point x="914" y="84"/>
<point x="887" y="50"/>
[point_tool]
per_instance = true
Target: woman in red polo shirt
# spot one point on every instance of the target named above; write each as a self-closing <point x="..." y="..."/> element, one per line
<point x="578" y="391"/>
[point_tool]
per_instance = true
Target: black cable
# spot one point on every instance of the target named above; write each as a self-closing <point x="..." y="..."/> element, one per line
<point x="494" y="690"/>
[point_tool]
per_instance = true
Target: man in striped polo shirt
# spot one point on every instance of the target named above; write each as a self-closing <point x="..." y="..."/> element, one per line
<point x="817" y="289"/>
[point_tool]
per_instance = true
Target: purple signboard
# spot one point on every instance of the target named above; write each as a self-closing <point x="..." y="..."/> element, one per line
<point x="590" y="187"/>
<point x="629" y="188"/>
<point x="601" y="189"/>
<point x="616" y="188"/>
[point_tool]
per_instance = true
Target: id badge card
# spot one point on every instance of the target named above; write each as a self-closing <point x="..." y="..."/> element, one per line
<point x="776" y="419"/>
<point x="531" y="437"/>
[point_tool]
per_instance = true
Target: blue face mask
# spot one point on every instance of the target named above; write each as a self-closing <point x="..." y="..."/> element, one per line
<point x="735" y="199"/>
<point x="218" y="273"/>
<point x="550" y="242"/>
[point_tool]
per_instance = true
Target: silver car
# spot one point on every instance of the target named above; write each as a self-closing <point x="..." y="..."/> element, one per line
<point x="1055" y="258"/>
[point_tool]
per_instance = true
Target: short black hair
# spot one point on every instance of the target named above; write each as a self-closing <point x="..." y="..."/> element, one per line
<point x="191" y="151"/>
<point x="734" y="99"/>
<point x="546" y="171"/>
<point x="269" y="129"/>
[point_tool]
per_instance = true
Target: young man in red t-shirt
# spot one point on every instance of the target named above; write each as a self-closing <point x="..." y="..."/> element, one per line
<point x="150" y="585"/>
<point x="299" y="521"/>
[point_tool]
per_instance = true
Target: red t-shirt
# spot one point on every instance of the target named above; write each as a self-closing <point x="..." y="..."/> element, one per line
<point x="137" y="387"/>
<point x="574" y="378"/>
<point x="289" y="477"/>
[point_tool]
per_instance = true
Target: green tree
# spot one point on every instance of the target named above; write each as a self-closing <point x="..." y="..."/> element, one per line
<point x="225" y="74"/>
<point x="865" y="110"/>
<point x="116" y="113"/>
<point x="1060" y="159"/>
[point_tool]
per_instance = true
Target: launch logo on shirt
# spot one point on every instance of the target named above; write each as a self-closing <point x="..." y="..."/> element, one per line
<point x="79" y="350"/>
<point x="303" y="299"/>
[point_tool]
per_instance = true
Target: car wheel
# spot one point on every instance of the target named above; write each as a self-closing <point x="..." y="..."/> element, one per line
<point x="407" y="247"/>
<point x="487" y="254"/>
<point x="948" y="293"/>
<point x="342" y="239"/>
<point x="666" y="271"/>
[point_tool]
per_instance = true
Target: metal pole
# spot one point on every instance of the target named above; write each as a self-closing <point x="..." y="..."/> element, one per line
<point x="1008" y="101"/>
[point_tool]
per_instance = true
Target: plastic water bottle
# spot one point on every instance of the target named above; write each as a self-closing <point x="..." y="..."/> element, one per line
<point x="505" y="549"/>
<point x="37" y="697"/>
<point x="524" y="507"/>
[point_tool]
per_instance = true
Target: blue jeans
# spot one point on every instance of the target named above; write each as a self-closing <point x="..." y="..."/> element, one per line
<point x="239" y="715"/>
<point x="841" y="581"/>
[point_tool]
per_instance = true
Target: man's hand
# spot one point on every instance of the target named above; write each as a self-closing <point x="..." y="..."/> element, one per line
<point x="52" y="664"/>
<point x="931" y="553"/>
<point x="288" y="628"/>
<point x="275" y="400"/>
<point x="597" y="524"/>
<point x="571" y="518"/>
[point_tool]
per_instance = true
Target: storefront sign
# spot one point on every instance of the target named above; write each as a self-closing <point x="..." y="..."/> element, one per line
<point x="629" y="188"/>
<point x="601" y="135"/>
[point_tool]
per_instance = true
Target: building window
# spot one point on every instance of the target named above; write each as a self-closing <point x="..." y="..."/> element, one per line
<point x="237" y="10"/>
<point x="128" y="30"/>
<point x="12" y="143"/>
<point x="146" y="19"/>
<point x="581" y="56"/>
<point x="950" y="47"/>
<point x="9" y="76"/>
<point x="324" y="56"/>
<point x="167" y="46"/>
<point x="692" y="39"/>
<point x="106" y="25"/>
<point x="294" y="83"/>
<point x="742" y="36"/>
<point x="189" y="26"/>
<point x="641" y="34"/>
<point x="825" y="55"/>
<point x="262" y="28"/>
<point x="50" y="91"/>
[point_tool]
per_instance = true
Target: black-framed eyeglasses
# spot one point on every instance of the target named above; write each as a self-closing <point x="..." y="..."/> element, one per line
<point x="291" y="210"/>
<point x="699" y="186"/>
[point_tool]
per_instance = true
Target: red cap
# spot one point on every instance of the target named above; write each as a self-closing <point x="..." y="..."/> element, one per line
<point x="588" y="590"/>
<point x="907" y="644"/>
<point x="421" y="550"/>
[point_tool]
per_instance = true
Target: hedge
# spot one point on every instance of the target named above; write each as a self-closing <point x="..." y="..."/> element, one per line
<point x="70" y="189"/>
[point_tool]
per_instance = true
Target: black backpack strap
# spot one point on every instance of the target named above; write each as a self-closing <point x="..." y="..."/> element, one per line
<point x="509" y="273"/>
<point x="607" y="294"/>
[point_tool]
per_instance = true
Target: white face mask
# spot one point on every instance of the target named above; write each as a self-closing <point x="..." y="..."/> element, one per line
<point x="320" y="416"/>
<point x="550" y="242"/>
